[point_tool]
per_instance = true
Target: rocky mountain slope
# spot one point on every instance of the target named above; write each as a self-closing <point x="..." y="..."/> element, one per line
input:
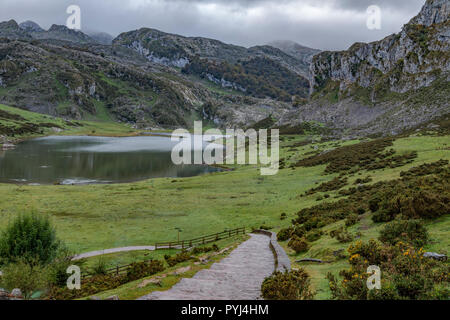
<point x="154" y="79"/>
<point x="61" y="72"/>
<point x="224" y="64"/>
<point x="387" y="85"/>
<point x="302" y="53"/>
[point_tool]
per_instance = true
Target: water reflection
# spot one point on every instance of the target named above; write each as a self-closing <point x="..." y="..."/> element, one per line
<point x="75" y="160"/>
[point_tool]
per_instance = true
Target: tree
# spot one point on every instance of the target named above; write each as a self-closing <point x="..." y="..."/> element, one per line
<point x="30" y="237"/>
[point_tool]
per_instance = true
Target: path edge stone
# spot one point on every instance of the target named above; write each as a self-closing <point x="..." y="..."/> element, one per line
<point x="282" y="261"/>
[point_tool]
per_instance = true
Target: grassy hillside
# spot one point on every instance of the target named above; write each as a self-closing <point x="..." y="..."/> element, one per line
<point x="104" y="216"/>
<point x="19" y="124"/>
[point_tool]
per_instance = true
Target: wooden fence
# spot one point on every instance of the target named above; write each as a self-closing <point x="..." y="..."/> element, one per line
<point x="199" y="241"/>
<point x="176" y="245"/>
<point x="116" y="271"/>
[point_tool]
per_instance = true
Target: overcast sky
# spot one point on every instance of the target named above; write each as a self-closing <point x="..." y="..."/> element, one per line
<point x="322" y="24"/>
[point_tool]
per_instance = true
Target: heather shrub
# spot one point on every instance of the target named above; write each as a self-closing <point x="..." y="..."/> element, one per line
<point x="413" y="204"/>
<point x="144" y="269"/>
<point x="351" y="220"/>
<point x="342" y="235"/>
<point x="178" y="258"/>
<point x="298" y="244"/>
<point x="406" y="273"/>
<point x="313" y="235"/>
<point x="285" y="234"/>
<point x="412" y="231"/>
<point x="292" y="285"/>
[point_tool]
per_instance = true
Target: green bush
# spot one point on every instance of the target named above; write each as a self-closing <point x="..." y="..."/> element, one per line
<point x="298" y="244"/>
<point x="57" y="269"/>
<point x="412" y="231"/>
<point x="178" y="258"/>
<point x="314" y="235"/>
<point x="342" y="235"/>
<point x="140" y="270"/>
<point x="406" y="274"/>
<point x="31" y="237"/>
<point x="24" y="274"/>
<point x="292" y="285"/>
<point x="100" y="267"/>
<point x="351" y="220"/>
<point x="285" y="234"/>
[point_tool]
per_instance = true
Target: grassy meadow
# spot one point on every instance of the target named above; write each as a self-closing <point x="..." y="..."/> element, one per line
<point x="95" y="217"/>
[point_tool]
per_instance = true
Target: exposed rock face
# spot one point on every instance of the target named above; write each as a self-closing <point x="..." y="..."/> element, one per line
<point x="11" y="30"/>
<point x="178" y="51"/>
<point x="101" y="37"/>
<point x="388" y="85"/>
<point x="412" y="59"/>
<point x="304" y="54"/>
<point x="59" y="32"/>
<point x="31" y="26"/>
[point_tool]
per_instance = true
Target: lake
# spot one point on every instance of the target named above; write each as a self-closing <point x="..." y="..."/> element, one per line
<point x="88" y="160"/>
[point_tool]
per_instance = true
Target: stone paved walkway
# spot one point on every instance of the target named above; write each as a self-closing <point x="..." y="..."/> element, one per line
<point x="236" y="277"/>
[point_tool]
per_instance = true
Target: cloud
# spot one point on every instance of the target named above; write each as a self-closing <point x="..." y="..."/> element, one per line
<point x="323" y="24"/>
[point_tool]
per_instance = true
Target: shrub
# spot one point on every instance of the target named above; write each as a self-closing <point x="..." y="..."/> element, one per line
<point x="341" y="235"/>
<point x="178" y="258"/>
<point x="144" y="269"/>
<point x="31" y="237"/>
<point x="285" y="234"/>
<point x="351" y="220"/>
<point x="28" y="276"/>
<point x="406" y="274"/>
<point x="283" y="216"/>
<point x="57" y="269"/>
<point x="298" y="244"/>
<point x="100" y="267"/>
<point x="413" y="204"/>
<point x="292" y="285"/>
<point x="314" y="235"/>
<point x="360" y="210"/>
<point x="412" y="231"/>
<point x="198" y="250"/>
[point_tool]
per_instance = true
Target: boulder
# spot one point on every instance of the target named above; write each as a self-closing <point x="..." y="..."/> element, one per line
<point x="113" y="298"/>
<point x="7" y="146"/>
<point x="434" y="255"/>
<point x="17" y="293"/>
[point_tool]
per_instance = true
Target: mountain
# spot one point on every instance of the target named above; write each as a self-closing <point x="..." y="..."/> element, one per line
<point x="261" y="71"/>
<point x="11" y="30"/>
<point x="82" y="80"/>
<point x="150" y="78"/>
<point x="388" y="85"/>
<point x="101" y="37"/>
<point x="30" y="26"/>
<point x="296" y="50"/>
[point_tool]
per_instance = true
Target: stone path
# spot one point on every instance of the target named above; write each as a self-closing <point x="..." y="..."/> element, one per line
<point x="236" y="277"/>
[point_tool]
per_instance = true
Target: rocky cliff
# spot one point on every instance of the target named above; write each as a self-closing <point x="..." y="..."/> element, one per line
<point x="387" y="85"/>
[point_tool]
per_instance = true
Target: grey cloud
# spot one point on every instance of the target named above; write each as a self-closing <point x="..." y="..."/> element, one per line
<point x="231" y="21"/>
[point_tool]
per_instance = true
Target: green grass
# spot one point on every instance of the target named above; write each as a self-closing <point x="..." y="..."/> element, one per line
<point x="95" y="217"/>
<point x="103" y="126"/>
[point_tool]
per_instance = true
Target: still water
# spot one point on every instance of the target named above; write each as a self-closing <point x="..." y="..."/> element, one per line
<point x="84" y="160"/>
